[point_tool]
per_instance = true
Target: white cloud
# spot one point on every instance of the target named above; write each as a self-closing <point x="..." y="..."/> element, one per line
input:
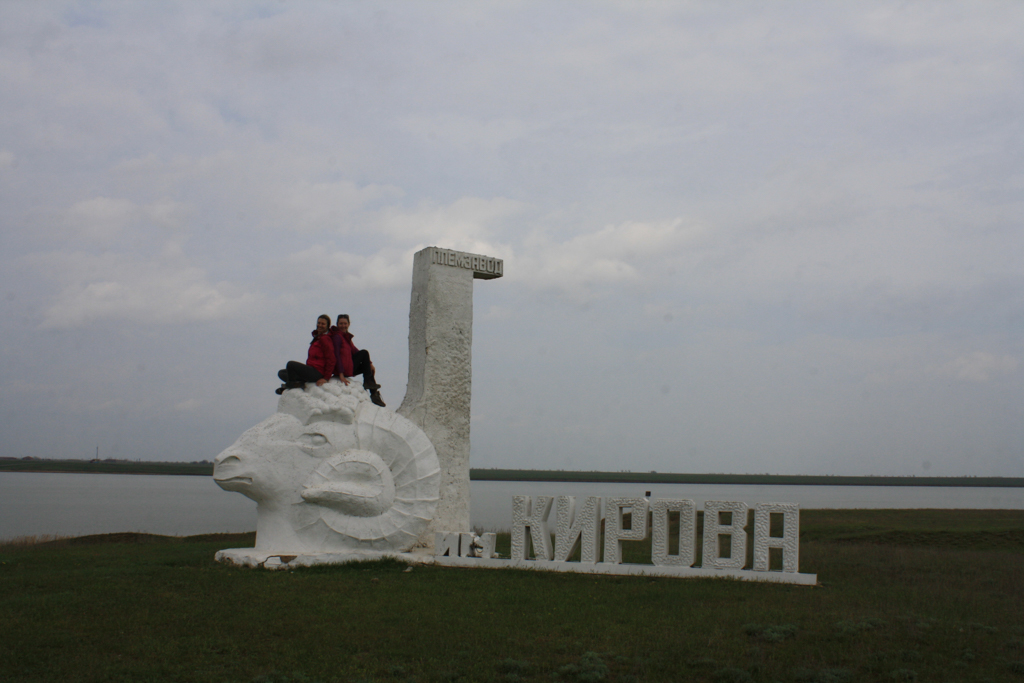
<point x="266" y="186"/>
<point x="856" y="166"/>
<point x="66" y="398"/>
<point x="103" y="219"/>
<point x="979" y="366"/>
<point x="120" y="287"/>
<point x="629" y="253"/>
<point x="309" y="206"/>
<point x="467" y="132"/>
<point x="201" y="117"/>
<point x="467" y="224"/>
<point x="325" y="267"/>
<point x="188" y="405"/>
<point x="947" y="27"/>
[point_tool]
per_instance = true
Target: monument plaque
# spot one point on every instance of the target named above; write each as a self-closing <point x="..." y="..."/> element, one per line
<point x="437" y="399"/>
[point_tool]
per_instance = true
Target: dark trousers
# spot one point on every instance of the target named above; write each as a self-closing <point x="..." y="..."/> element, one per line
<point x="361" y="366"/>
<point x="296" y="372"/>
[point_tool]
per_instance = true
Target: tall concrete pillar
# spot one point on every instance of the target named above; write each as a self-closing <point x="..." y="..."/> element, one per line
<point x="441" y="372"/>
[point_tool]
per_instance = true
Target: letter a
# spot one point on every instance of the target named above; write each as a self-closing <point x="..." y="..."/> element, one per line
<point x="789" y="541"/>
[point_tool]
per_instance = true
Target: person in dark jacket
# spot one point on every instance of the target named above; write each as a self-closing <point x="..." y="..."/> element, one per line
<point x="320" y="359"/>
<point x="350" y="361"/>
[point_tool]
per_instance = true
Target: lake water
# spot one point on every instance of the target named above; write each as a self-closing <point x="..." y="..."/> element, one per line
<point x="36" y="504"/>
<point x="492" y="500"/>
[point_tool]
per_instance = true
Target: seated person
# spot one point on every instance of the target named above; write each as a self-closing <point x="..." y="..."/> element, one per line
<point x="319" y="365"/>
<point x="350" y="361"/>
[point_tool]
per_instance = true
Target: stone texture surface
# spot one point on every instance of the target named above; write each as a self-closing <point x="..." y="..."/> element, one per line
<point x="789" y="541"/>
<point x="713" y="528"/>
<point x="687" y="510"/>
<point x="446" y="543"/>
<point x="630" y="570"/>
<point x="531" y="512"/>
<point x="464" y="544"/>
<point x="251" y="557"/>
<point x="467" y="541"/>
<point x="577" y="524"/>
<point x="614" y="534"/>
<point x="574" y="522"/>
<point x="440" y="370"/>
<point x="332" y="472"/>
<point x="487" y="543"/>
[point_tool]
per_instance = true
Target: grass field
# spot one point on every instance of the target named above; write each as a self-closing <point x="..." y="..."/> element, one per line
<point x="905" y="595"/>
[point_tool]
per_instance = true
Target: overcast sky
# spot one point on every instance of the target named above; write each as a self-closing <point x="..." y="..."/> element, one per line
<point x="738" y="237"/>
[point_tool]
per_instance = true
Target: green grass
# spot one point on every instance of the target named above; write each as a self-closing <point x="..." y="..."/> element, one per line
<point x="895" y="604"/>
<point x="966" y="529"/>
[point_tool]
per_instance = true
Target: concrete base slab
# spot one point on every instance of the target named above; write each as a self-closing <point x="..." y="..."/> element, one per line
<point x="250" y="557"/>
<point x="631" y="569"/>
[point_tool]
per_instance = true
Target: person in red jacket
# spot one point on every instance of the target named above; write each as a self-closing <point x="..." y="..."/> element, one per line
<point x="350" y="361"/>
<point x="320" y="359"/>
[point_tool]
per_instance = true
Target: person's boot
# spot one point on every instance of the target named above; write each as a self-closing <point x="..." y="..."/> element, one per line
<point x="375" y="396"/>
<point x="288" y="385"/>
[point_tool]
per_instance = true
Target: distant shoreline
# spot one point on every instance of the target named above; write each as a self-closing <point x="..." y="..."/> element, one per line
<point x="753" y="479"/>
<point x="205" y="469"/>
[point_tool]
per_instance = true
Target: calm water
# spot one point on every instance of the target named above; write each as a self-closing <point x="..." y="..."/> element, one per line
<point x="35" y="504"/>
